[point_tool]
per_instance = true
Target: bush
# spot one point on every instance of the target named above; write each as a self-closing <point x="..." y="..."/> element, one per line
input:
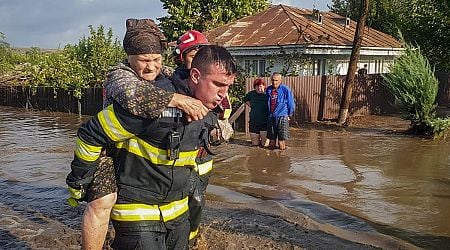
<point x="441" y="128"/>
<point x="237" y="90"/>
<point x="57" y="70"/>
<point x="97" y="53"/>
<point x="411" y="80"/>
<point x="76" y="66"/>
<point x="8" y="57"/>
<point x="5" y="60"/>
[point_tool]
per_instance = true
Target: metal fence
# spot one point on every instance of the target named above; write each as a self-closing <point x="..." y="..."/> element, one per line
<point x="318" y="97"/>
<point x="51" y="99"/>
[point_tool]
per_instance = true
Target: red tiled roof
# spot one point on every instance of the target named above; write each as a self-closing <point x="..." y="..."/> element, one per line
<point x="285" y="25"/>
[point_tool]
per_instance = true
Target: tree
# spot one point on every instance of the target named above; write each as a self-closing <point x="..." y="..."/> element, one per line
<point x="347" y="8"/>
<point x="383" y="14"/>
<point x="7" y="59"/>
<point x="418" y="20"/>
<point x="3" y="43"/>
<point x="76" y="66"/>
<point x="354" y="58"/>
<point x="204" y="15"/>
<point x="427" y="19"/>
<point x="411" y="80"/>
<point x="97" y="53"/>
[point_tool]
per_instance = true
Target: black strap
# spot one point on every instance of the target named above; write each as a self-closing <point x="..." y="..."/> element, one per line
<point x="204" y="140"/>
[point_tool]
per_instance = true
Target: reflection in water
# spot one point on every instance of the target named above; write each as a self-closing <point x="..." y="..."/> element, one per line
<point x="391" y="180"/>
<point x="400" y="185"/>
<point x="266" y="169"/>
<point x="36" y="147"/>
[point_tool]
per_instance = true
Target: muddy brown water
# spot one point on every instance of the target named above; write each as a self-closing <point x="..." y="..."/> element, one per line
<point x="362" y="180"/>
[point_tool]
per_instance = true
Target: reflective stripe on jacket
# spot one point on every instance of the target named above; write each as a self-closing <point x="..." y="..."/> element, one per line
<point x="141" y="212"/>
<point x="144" y="171"/>
<point x="204" y="168"/>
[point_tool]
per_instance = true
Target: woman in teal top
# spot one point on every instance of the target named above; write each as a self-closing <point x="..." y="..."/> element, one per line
<point x="259" y="111"/>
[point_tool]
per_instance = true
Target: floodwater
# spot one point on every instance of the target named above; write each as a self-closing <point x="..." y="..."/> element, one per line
<point x="361" y="180"/>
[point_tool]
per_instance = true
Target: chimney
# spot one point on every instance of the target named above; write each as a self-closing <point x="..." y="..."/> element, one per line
<point x="319" y="19"/>
<point x="317" y="16"/>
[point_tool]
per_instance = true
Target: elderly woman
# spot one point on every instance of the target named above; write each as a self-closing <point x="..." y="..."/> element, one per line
<point x="257" y="100"/>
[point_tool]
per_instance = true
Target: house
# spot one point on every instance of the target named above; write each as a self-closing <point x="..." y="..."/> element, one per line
<point x="298" y="41"/>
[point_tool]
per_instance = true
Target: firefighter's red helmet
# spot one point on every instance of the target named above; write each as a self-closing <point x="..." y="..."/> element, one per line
<point x="190" y="40"/>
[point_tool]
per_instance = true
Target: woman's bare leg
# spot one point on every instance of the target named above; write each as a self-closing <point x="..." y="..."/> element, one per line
<point x="255" y="139"/>
<point x="96" y="221"/>
<point x="264" y="141"/>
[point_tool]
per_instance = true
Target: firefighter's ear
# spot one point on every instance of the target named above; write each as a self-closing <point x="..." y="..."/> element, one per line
<point x="195" y="75"/>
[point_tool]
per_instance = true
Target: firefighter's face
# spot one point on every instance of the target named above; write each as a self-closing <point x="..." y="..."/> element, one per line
<point x="212" y="86"/>
<point x="188" y="57"/>
<point x="147" y="66"/>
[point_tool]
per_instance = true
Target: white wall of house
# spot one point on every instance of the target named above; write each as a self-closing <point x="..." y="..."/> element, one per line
<point x="260" y="66"/>
<point x="374" y="65"/>
<point x="334" y="61"/>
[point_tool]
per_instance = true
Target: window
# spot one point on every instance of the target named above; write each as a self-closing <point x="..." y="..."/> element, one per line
<point x="247" y="67"/>
<point x="255" y="67"/>
<point x="262" y="68"/>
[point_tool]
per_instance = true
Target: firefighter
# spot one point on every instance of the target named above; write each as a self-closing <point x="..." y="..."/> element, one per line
<point x="187" y="46"/>
<point x="154" y="158"/>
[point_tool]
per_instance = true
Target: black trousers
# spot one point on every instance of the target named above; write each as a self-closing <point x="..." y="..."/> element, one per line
<point x="139" y="236"/>
<point x="196" y="201"/>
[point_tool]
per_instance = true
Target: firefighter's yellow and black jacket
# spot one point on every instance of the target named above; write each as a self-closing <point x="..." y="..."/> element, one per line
<point x="153" y="187"/>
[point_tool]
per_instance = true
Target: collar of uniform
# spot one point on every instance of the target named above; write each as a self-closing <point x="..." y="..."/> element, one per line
<point x="182" y="86"/>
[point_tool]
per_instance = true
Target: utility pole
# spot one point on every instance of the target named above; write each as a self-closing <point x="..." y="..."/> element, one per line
<point x="354" y="58"/>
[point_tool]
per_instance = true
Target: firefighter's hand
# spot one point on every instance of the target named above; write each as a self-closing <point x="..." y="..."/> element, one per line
<point x="76" y="196"/>
<point x="193" y="108"/>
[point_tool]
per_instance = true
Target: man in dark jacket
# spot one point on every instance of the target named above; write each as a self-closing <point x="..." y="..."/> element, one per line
<point x="154" y="158"/>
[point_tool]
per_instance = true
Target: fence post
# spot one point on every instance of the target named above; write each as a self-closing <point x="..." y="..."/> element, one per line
<point x="247" y="120"/>
<point x="323" y="96"/>
<point x="79" y="107"/>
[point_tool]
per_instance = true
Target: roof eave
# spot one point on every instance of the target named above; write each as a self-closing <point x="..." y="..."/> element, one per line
<point x="314" y="49"/>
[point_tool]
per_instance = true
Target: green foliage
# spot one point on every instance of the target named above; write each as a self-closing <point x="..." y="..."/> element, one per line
<point x="33" y="55"/>
<point x="440" y="128"/>
<point x="169" y="59"/>
<point x="383" y="14"/>
<point x="76" y="66"/>
<point x="9" y="58"/>
<point x="237" y="90"/>
<point x="418" y="20"/>
<point x="57" y="70"/>
<point x="3" y="43"/>
<point x="97" y="53"/>
<point x="411" y="80"/>
<point x="427" y="23"/>
<point x="6" y="55"/>
<point x="293" y="61"/>
<point x="5" y="60"/>
<point x="204" y="15"/>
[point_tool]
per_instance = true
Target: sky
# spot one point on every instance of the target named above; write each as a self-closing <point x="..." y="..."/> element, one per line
<point x="51" y="24"/>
